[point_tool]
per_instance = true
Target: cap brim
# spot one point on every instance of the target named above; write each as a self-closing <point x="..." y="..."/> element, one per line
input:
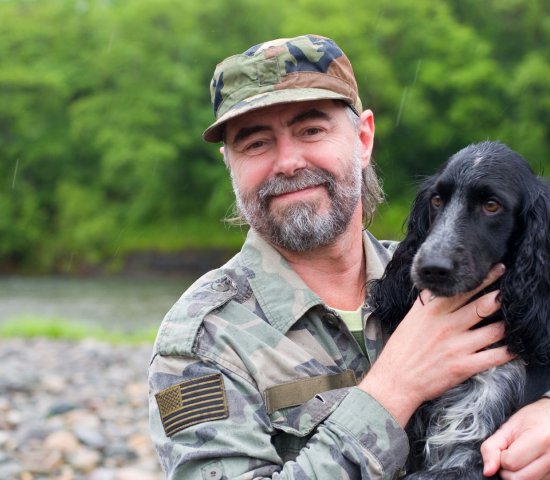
<point x="214" y="133"/>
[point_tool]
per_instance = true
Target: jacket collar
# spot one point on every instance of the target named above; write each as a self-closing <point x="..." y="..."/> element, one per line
<point x="281" y="293"/>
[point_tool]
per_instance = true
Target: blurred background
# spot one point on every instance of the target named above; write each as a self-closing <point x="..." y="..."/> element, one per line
<point x="102" y="104"/>
<point x="111" y="203"/>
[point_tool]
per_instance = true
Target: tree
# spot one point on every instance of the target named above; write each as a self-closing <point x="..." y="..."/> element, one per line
<point x="103" y="103"/>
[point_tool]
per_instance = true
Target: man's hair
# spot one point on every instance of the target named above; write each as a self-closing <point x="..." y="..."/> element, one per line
<point x="372" y="193"/>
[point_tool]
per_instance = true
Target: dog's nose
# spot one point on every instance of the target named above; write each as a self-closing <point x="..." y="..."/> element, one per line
<point x="436" y="269"/>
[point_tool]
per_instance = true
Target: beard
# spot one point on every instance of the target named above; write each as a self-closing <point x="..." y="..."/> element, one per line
<point x="301" y="227"/>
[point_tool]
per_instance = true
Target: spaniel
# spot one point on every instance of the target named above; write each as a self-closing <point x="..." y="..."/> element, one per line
<point x="485" y="205"/>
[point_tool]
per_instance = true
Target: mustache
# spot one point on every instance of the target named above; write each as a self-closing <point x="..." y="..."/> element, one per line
<point x="279" y="185"/>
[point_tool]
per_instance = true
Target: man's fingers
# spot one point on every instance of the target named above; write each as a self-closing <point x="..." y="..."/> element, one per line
<point x="536" y="470"/>
<point x="491" y="450"/>
<point x="485" y="336"/>
<point x="517" y="450"/>
<point x="495" y="273"/>
<point x="472" y="313"/>
<point x="492" y="357"/>
<point x="485" y="306"/>
<point x="524" y="451"/>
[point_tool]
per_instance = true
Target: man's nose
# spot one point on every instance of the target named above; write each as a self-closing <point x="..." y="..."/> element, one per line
<point x="289" y="157"/>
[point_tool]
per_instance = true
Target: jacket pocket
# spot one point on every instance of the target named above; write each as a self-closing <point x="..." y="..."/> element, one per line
<point x="301" y="420"/>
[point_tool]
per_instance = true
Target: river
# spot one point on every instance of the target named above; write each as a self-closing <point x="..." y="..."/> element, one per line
<point x="121" y="303"/>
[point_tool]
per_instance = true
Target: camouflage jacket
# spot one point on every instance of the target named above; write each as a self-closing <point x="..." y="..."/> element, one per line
<point x="253" y="377"/>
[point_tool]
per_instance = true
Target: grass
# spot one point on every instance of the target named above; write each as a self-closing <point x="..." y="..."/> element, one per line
<point x="63" y="329"/>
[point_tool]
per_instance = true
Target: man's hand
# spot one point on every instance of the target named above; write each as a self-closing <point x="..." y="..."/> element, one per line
<point x="520" y="448"/>
<point x="435" y="348"/>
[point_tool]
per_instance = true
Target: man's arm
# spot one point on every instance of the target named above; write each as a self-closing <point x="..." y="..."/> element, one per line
<point x="236" y="438"/>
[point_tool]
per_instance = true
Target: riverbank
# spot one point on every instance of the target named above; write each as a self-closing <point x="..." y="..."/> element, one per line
<point x="118" y="303"/>
<point x="74" y="410"/>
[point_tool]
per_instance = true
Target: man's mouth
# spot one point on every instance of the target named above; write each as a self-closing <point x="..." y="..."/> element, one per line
<point x="297" y="192"/>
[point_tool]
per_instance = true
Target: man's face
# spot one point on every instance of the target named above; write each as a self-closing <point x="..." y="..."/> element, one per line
<point x="296" y="172"/>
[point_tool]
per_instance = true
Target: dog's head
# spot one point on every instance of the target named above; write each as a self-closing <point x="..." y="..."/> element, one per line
<point x="484" y="206"/>
<point x="472" y="212"/>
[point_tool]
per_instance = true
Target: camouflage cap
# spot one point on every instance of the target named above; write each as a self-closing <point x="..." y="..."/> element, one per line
<point x="285" y="70"/>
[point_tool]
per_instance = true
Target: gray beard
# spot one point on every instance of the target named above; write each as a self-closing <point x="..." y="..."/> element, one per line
<point x="300" y="227"/>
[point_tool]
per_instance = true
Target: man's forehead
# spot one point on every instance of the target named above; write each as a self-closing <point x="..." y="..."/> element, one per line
<point x="282" y="113"/>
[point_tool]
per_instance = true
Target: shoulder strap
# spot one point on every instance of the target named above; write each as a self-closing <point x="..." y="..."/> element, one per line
<point x="179" y="328"/>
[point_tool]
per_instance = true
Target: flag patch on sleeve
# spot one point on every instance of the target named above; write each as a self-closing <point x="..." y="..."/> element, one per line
<point x="191" y="402"/>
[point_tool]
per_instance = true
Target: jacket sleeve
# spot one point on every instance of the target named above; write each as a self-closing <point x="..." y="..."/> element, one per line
<point x="340" y="434"/>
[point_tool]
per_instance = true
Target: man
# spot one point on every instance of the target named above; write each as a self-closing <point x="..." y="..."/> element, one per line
<point x="265" y="368"/>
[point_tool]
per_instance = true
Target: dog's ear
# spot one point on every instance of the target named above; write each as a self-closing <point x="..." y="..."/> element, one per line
<point x="525" y="288"/>
<point x="393" y="294"/>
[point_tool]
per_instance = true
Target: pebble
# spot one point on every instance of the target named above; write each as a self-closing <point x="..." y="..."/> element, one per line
<point x="74" y="411"/>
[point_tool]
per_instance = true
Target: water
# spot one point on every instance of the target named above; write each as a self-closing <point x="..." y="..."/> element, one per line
<point x="116" y="303"/>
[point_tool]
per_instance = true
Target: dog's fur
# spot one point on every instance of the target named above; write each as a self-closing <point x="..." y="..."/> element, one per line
<point x="483" y="206"/>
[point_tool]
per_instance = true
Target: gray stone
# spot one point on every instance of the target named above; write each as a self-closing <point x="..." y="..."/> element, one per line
<point x="90" y="437"/>
<point x="59" y="408"/>
<point x="10" y="470"/>
<point x="83" y="417"/>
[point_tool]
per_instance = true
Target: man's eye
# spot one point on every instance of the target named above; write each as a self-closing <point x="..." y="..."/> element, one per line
<point x="311" y="131"/>
<point x="253" y="145"/>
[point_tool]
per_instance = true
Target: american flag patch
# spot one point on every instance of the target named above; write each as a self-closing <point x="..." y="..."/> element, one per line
<point x="189" y="403"/>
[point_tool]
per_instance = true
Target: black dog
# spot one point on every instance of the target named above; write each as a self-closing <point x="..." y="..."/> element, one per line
<point x="484" y="206"/>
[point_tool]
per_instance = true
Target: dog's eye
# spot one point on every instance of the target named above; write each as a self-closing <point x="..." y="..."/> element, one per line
<point x="436" y="201"/>
<point x="491" y="207"/>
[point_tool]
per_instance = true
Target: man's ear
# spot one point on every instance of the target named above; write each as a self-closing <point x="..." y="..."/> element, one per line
<point x="366" y="136"/>
<point x="225" y="159"/>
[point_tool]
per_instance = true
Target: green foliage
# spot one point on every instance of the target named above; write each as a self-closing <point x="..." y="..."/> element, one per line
<point x="103" y="102"/>
<point x="63" y="329"/>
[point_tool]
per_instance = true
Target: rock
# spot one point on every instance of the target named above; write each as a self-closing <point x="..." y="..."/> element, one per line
<point x="84" y="459"/>
<point x="41" y="461"/>
<point x="141" y="444"/>
<point x="61" y="407"/>
<point x="53" y="383"/>
<point x="13" y="418"/>
<point x="67" y="473"/>
<point x="84" y="417"/>
<point x="137" y="392"/>
<point x="4" y="440"/>
<point x="134" y="474"/>
<point x="103" y="474"/>
<point x="62" y="441"/>
<point x="9" y="470"/>
<point x="11" y="385"/>
<point x="31" y="432"/>
<point x="90" y="437"/>
<point x="4" y="405"/>
<point x="120" y="454"/>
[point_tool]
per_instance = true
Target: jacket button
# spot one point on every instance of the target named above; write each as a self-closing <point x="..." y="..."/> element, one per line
<point x="221" y="286"/>
<point x="331" y="319"/>
<point x="212" y="473"/>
